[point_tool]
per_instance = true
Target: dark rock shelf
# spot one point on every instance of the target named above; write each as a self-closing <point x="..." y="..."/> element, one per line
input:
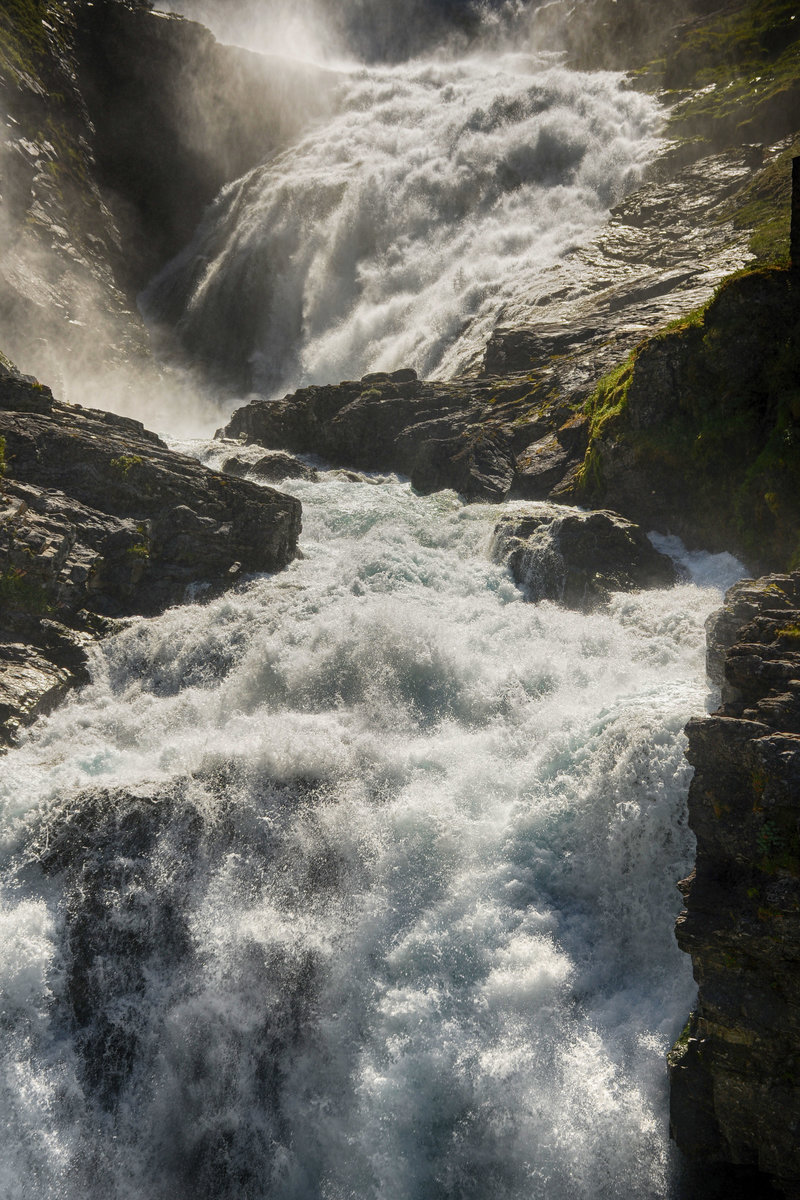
<point x="99" y="519"/>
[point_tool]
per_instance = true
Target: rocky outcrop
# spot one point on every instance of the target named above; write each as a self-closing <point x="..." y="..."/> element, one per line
<point x="579" y="558"/>
<point x="701" y="430"/>
<point x="486" y="440"/>
<point x="735" y="1072"/>
<point x="99" y="518"/>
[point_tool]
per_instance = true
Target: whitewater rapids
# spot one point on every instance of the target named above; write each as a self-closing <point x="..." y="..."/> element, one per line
<point x="358" y="881"/>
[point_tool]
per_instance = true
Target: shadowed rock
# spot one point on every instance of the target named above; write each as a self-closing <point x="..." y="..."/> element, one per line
<point x="734" y="1071"/>
<point x="99" y="517"/>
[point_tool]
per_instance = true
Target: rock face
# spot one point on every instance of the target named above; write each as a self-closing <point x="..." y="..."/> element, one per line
<point x="735" y="1072"/>
<point x="579" y="558"/>
<point x="60" y="297"/>
<point x="175" y="116"/>
<point x="98" y="517"/>
<point x="480" y="438"/>
<point x="117" y="126"/>
<point x="701" y="430"/>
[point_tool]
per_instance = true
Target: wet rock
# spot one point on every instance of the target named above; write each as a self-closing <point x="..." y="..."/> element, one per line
<point x="272" y="467"/>
<point x="734" y="1073"/>
<point x="30" y="685"/>
<point x="97" y="516"/>
<point x="518" y="349"/>
<point x="469" y="435"/>
<point x="577" y="558"/>
<point x="540" y="467"/>
<point x="478" y="464"/>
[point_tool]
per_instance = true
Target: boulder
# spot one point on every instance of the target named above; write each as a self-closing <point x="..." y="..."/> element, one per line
<point x="579" y="558"/>
<point x="272" y="467"/>
<point x="479" y="464"/>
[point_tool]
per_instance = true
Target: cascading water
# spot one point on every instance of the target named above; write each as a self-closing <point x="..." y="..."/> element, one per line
<point x="436" y="200"/>
<point x="355" y="882"/>
<point x="358" y="882"/>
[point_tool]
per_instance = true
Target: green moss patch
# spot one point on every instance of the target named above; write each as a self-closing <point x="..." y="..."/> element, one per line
<point x="744" y="70"/>
<point x="707" y="418"/>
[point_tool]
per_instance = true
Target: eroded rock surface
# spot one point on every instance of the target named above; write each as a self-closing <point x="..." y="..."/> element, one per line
<point x="579" y="558"/>
<point x="735" y="1072"/>
<point x="99" y="518"/>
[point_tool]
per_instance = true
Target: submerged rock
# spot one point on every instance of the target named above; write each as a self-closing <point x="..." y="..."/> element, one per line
<point x="735" y="1072"/>
<point x="579" y="558"/>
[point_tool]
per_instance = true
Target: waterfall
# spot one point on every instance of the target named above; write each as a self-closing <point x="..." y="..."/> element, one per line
<point x="357" y="881"/>
<point x="440" y="197"/>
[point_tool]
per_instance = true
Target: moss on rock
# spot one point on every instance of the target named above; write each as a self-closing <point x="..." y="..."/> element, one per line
<point x="699" y="430"/>
<point x="743" y="69"/>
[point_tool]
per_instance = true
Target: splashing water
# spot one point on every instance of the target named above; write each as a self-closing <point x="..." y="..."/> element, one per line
<point x="395" y="233"/>
<point x="356" y="882"/>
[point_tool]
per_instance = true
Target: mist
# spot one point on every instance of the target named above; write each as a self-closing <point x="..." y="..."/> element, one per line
<point x="368" y="31"/>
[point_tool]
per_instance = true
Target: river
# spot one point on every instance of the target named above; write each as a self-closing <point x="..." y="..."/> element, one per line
<point x="358" y="881"/>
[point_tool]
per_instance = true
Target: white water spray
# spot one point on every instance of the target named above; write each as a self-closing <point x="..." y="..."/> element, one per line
<point x="358" y="881"/>
<point x="396" y="232"/>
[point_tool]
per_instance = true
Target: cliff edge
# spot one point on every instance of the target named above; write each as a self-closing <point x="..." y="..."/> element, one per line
<point x="735" y="1071"/>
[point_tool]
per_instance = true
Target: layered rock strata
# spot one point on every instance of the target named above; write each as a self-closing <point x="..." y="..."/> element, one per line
<point x="99" y="519"/>
<point x="735" y="1071"/>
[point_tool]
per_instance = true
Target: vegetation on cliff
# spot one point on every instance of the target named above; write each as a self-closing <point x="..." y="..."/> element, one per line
<point x="742" y="72"/>
<point x="706" y="417"/>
